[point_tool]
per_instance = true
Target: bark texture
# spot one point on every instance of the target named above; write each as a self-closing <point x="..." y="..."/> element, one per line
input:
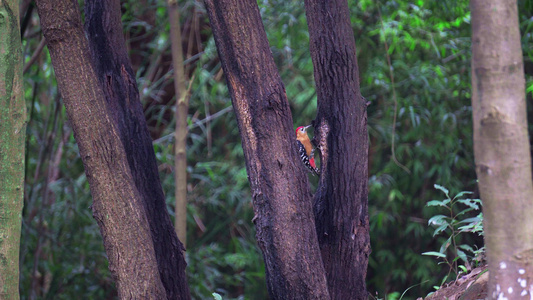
<point x="341" y="200"/>
<point x="182" y="108"/>
<point x="113" y="68"/>
<point x="501" y="147"/>
<point x="12" y="137"/>
<point x="119" y="205"/>
<point x="281" y="198"/>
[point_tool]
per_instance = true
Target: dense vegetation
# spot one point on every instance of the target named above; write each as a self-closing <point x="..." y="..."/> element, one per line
<point x="426" y="44"/>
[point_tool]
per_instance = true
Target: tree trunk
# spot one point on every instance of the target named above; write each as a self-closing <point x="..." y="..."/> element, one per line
<point x="108" y="49"/>
<point x="501" y="147"/>
<point x="341" y="201"/>
<point x="112" y="139"/>
<point x="281" y="198"/>
<point x="12" y="137"/>
<point x="182" y="108"/>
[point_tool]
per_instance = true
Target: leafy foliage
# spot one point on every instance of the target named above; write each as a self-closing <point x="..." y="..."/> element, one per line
<point x="433" y="129"/>
<point x="456" y="224"/>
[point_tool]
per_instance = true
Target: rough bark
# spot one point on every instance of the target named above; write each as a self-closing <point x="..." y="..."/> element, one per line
<point x="118" y="205"/>
<point x="12" y="137"/>
<point x="113" y="68"/>
<point x="501" y="147"/>
<point x="341" y="201"/>
<point x="281" y="198"/>
<point x="182" y="108"/>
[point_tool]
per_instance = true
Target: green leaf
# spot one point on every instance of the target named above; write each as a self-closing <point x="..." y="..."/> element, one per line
<point x="443" y="189"/>
<point x="466" y="248"/>
<point x="461" y="194"/>
<point x="470" y="203"/>
<point x="438" y="202"/>
<point x="445" y="245"/>
<point x="217" y="296"/>
<point x="529" y="88"/>
<point x="440" y="229"/>
<point x="393" y="296"/>
<point x="462" y="255"/>
<point x="471" y="221"/>
<point x="433" y="253"/>
<point x="438" y="220"/>
<point x="464" y="212"/>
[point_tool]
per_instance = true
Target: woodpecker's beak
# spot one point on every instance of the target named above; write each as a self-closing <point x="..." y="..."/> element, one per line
<point x="305" y="128"/>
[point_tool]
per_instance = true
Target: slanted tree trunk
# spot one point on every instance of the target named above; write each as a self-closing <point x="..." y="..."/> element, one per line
<point x="182" y="108"/>
<point x="341" y="201"/>
<point x="108" y="47"/>
<point x="282" y="202"/>
<point x="111" y="135"/>
<point x="501" y="147"/>
<point x="12" y="137"/>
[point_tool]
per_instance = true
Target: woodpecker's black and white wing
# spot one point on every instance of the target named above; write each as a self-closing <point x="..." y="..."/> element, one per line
<point x="305" y="159"/>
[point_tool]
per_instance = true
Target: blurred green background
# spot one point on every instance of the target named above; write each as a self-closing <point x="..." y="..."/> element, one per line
<point x="62" y="255"/>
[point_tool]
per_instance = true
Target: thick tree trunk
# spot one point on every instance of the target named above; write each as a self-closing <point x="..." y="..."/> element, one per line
<point x="281" y="198"/>
<point x="108" y="48"/>
<point x="341" y="201"/>
<point x="12" y="137"/>
<point x="182" y="108"/>
<point x="501" y="147"/>
<point x="101" y="129"/>
<point x="110" y="58"/>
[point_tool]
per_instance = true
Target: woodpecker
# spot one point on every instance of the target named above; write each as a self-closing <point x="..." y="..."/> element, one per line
<point x="305" y="148"/>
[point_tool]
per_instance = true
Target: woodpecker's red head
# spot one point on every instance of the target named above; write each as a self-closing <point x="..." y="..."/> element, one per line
<point x="302" y="129"/>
